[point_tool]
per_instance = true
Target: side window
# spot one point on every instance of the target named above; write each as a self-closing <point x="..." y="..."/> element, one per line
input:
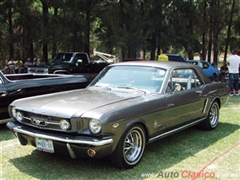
<point x="83" y="58"/>
<point x="204" y="65"/>
<point x="182" y="80"/>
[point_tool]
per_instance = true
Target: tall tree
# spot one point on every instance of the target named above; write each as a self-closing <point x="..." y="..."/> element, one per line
<point x="45" y="27"/>
<point x="41" y="28"/>
<point x="229" y="30"/>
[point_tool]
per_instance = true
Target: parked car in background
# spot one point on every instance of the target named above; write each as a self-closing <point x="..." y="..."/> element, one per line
<point x="76" y="63"/>
<point x="127" y="106"/>
<point x="15" y="86"/>
<point x="176" y="57"/>
<point x="212" y="72"/>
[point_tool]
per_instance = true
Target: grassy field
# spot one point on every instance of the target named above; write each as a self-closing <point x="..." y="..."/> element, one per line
<point x="212" y="153"/>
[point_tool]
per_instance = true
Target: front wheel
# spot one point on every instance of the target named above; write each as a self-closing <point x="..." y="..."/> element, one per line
<point x="211" y="121"/>
<point x="130" y="148"/>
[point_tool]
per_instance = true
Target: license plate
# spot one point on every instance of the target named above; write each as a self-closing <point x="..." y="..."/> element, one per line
<point x="44" y="145"/>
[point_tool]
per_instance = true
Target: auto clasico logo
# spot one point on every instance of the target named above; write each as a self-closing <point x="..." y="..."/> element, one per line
<point x="186" y="174"/>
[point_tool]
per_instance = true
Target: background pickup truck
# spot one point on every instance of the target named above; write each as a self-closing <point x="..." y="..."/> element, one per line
<point x="17" y="86"/>
<point x="70" y="63"/>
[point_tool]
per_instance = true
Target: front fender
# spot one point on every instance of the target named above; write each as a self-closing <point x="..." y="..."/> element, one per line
<point x="127" y="126"/>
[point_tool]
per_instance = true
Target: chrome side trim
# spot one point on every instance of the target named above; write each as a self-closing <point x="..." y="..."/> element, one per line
<point x="205" y="105"/>
<point x="82" y="140"/>
<point x="175" y="130"/>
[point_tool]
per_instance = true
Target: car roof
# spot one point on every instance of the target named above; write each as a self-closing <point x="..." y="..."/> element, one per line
<point x="160" y="64"/>
<point x="196" y="60"/>
<point x="168" y="65"/>
<point x="71" y="52"/>
<point x="134" y="59"/>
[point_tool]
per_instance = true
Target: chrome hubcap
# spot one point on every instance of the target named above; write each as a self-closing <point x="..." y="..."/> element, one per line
<point x="213" y="115"/>
<point x="133" y="146"/>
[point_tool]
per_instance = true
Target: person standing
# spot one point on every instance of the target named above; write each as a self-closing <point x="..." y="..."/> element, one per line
<point x="35" y="61"/>
<point x="11" y="66"/>
<point x="223" y="72"/>
<point x="42" y="62"/>
<point x="18" y="66"/>
<point x="234" y="62"/>
<point x="163" y="56"/>
<point x="26" y="64"/>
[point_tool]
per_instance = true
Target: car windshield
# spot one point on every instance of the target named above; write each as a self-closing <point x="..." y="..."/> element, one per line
<point x="136" y="78"/>
<point x="62" y="57"/>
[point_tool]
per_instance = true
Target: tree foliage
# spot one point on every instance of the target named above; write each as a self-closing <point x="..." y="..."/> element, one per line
<point x="126" y="28"/>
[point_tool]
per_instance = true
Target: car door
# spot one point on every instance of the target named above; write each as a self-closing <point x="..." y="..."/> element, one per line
<point x="206" y="68"/>
<point x="82" y="66"/>
<point x="186" y="104"/>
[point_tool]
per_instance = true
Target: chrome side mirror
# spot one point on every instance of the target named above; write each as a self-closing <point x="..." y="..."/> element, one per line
<point x="79" y="61"/>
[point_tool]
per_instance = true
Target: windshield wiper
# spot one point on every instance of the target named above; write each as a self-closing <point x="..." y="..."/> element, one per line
<point x="131" y="88"/>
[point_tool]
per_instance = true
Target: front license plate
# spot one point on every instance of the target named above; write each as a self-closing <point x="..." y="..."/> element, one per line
<point x="44" y="145"/>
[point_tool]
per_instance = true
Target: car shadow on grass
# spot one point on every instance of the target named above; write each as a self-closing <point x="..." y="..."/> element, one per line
<point x="161" y="154"/>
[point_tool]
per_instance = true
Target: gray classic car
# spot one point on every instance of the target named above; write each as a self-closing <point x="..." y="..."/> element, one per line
<point x="127" y="106"/>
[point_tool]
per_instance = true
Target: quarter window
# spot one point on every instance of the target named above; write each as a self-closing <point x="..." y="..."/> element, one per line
<point x="184" y="78"/>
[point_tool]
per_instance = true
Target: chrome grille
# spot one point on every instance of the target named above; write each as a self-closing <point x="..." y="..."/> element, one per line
<point x="41" y="121"/>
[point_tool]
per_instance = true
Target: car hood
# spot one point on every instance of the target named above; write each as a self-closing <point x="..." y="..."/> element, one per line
<point x="75" y="102"/>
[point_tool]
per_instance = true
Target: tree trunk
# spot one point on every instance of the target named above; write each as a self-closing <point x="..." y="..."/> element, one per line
<point x="87" y="31"/>
<point x="10" y="31"/>
<point x="228" y="32"/>
<point x="31" y="51"/>
<point x="54" y="44"/>
<point x="45" y="30"/>
<point x="153" y="46"/>
<point x="216" y="27"/>
<point x="209" y="47"/>
<point x="203" y="54"/>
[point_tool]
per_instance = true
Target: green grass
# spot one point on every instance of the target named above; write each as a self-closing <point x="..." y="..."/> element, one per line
<point x="191" y="150"/>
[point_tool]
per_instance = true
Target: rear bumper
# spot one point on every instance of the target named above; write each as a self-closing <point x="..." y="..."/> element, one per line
<point x="75" y="146"/>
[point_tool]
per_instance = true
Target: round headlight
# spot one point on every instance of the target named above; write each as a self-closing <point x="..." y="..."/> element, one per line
<point x="19" y="116"/>
<point x="14" y="112"/>
<point x="95" y="126"/>
<point x="64" y="124"/>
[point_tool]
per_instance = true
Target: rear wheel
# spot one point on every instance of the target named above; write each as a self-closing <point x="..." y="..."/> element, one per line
<point x="130" y="148"/>
<point x="211" y="121"/>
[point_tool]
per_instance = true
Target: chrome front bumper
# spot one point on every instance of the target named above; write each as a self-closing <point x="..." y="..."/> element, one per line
<point x="81" y="140"/>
